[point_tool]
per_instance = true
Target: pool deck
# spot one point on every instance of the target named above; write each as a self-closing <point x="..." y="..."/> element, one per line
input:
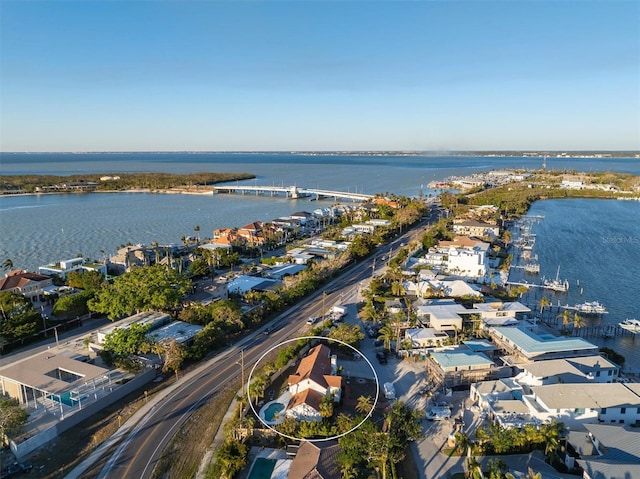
<point x="284" y="400"/>
<point x="283" y="463"/>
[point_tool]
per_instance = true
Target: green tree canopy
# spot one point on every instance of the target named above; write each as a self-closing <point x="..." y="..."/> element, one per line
<point x="72" y="305"/>
<point x="90" y="280"/>
<point x="123" y="342"/>
<point x="18" y="318"/>
<point x="348" y="333"/>
<point x="144" y="288"/>
<point x="12" y="416"/>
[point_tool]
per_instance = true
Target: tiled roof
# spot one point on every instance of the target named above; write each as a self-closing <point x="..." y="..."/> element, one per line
<point x="19" y="278"/>
<point x="316" y="461"/>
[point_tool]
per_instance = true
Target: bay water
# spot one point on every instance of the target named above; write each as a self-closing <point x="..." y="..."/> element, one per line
<point x="595" y="242"/>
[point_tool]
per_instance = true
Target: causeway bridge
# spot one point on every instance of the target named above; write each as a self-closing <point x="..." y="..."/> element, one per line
<point x="293" y="192"/>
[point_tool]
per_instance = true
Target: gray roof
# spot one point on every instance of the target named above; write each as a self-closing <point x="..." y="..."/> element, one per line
<point x="620" y="449"/>
<point x="532" y="344"/>
<point x="460" y="358"/>
<point x="39" y="371"/>
<point x="586" y="395"/>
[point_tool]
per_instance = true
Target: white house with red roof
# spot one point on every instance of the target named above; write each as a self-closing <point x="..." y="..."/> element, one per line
<point x="314" y="378"/>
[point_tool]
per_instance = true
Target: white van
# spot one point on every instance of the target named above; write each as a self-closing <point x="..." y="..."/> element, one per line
<point x="389" y="391"/>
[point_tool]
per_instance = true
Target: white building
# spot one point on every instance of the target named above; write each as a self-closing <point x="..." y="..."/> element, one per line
<point x="63" y="268"/>
<point x="572" y="370"/>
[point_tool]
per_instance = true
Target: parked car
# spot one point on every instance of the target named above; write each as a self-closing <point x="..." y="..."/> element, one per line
<point x="380" y="356"/>
<point x="439" y="414"/>
<point x="389" y="390"/>
<point x="15" y="468"/>
<point x="312" y="320"/>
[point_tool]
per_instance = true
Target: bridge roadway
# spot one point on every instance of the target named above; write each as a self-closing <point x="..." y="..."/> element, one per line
<point x="135" y="450"/>
<point x="293" y="192"/>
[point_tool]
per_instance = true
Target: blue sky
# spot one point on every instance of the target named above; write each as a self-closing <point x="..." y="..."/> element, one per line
<point x="319" y="75"/>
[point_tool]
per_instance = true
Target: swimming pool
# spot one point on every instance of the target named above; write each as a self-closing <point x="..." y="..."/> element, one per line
<point x="272" y="410"/>
<point x="262" y="468"/>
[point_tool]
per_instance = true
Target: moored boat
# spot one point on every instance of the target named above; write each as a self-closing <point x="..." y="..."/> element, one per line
<point x="556" y="284"/>
<point x="632" y="325"/>
<point x="587" y="308"/>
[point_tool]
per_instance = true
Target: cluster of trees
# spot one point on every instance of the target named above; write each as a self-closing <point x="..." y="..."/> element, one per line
<point x="12" y="417"/>
<point x="375" y="447"/>
<point x="156" y="181"/>
<point x="497" y="440"/>
<point x="378" y="447"/>
<point x="121" y="347"/>
<point x="141" y="289"/>
<point x="19" y="319"/>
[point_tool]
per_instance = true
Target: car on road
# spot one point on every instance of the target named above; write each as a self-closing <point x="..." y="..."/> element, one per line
<point x="267" y="331"/>
<point x="380" y="356"/>
<point x="312" y="320"/>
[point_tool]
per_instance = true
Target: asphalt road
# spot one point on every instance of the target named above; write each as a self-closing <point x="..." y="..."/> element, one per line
<point x="142" y="447"/>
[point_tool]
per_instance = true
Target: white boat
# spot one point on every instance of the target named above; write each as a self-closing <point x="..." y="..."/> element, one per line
<point x="632" y="325"/>
<point x="532" y="268"/>
<point x="587" y="308"/>
<point x="556" y="284"/>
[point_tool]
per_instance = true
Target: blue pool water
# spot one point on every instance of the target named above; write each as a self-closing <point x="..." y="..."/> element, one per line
<point x="262" y="468"/>
<point x="271" y="411"/>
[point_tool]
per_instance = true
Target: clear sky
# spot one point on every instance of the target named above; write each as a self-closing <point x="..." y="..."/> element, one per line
<point x="319" y="75"/>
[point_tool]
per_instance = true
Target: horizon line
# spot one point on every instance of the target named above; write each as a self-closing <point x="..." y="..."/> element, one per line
<point x="417" y="152"/>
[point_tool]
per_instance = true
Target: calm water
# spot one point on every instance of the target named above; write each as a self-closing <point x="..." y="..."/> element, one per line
<point x="596" y="242"/>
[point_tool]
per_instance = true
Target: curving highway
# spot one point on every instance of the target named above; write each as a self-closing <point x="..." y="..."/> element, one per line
<point x="142" y="446"/>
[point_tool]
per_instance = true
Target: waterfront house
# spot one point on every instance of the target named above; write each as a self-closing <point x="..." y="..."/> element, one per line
<point x="476" y="228"/>
<point x="421" y="338"/>
<point x="30" y="285"/>
<point x="499" y="313"/>
<point x="572" y="370"/>
<point x="463" y="256"/>
<point x="459" y="365"/>
<point x="441" y="314"/>
<point x="75" y="264"/>
<point x="523" y="345"/>
<point x="251" y="234"/>
<point x="588" y="402"/>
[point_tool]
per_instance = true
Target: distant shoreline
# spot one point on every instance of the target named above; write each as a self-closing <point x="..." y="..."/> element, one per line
<point x="602" y="154"/>
<point x="132" y="190"/>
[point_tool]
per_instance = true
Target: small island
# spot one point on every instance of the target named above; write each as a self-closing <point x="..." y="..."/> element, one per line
<point x="111" y="182"/>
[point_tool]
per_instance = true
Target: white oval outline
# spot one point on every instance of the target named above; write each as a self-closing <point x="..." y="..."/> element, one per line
<point x="293" y="438"/>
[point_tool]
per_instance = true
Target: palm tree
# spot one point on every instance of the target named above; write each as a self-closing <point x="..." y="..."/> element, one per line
<point x="578" y="321"/>
<point x="156" y="251"/>
<point x="326" y="406"/>
<point x="197" y="230"/>
<point x="474" y="468"/>
<point x="565" y="318"/>
<point x="463" y="443"/>
<point x="533" y="475"/>
<point x="364" y="404"/>
<point x="544" y="302"/>
<point x="397" y="289"/>
<point x="7" y="265"/>
<point x="386" y="334"/>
